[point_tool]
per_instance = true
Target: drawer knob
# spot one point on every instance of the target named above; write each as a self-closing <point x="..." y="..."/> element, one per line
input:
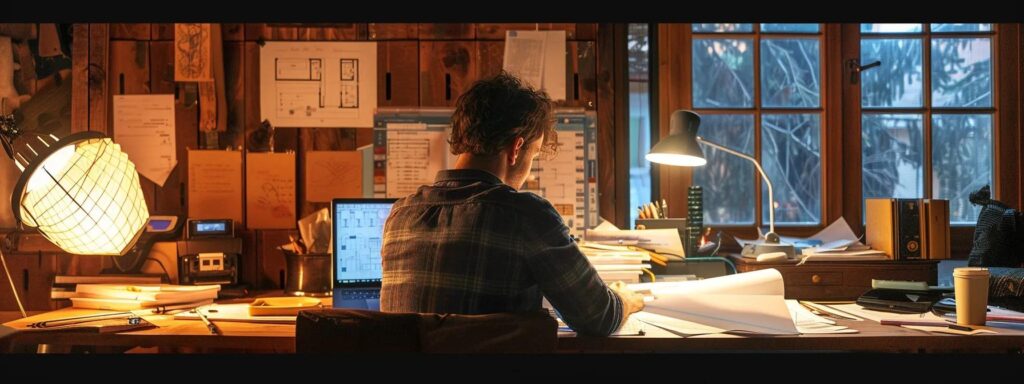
<point x="816" y="279"/>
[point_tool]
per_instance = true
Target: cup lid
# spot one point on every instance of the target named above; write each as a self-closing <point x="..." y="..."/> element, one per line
<point x="970" y="271"/>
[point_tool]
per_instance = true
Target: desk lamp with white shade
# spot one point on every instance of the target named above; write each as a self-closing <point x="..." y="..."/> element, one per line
<point x="81" y="191"/>
<point x="680" y="149"/>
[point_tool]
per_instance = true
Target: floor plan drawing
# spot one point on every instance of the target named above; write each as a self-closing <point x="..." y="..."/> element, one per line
<point x="314" y="84"/>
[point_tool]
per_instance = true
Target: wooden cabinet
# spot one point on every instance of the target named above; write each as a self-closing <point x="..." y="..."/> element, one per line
<point x="834" y="280"/>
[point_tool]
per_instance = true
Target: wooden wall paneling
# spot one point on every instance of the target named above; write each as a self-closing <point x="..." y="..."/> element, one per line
<point x="253" y="31"/>
<point x="162" y="31"/>
<point x="580" y="72"/>
<point x="586" y="31"/>
<point x="490" y="57"/>
<point x="134" y="31"/>
<point x="170" y="199"/>
<point x="30" y="272"/>
<point x="271" y="260"/>
<point x="674" y="93"/>
<point x="393" y="31"/>
<point x="129" y="75"/>
<point x="99" y="45"/>
<point x="489" y="31"/>
<point x="611" y="145"/>
<point x="233" y="31"/>
<point x="235" y="95"/>
<point x="447" y="31"/>
<point x="320" y="139"/>
<point x="280" y="32"/>
<point x="398" y="74"/>
<point x="251" y="84"/>
<point x="80" y="77"/>
<point x="447" y="68"/>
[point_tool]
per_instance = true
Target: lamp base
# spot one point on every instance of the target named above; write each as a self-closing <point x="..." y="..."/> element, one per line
<point x="754" y="250"/>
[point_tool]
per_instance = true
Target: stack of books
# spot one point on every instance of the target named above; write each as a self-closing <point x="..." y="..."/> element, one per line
<point x="617" y="263"/>
<point x="842" y="250"/>
<point x="64" y="285"/>
<point x="121" y="297"/>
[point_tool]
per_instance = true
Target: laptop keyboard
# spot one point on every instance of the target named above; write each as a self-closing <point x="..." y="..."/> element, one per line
<point x="360" y="295"/>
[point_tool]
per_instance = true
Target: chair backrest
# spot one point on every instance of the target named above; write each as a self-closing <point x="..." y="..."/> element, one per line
<point x="356" y="330"/>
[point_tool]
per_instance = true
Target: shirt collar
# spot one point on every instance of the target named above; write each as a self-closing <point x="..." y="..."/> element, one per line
<point x="467" y="175"/>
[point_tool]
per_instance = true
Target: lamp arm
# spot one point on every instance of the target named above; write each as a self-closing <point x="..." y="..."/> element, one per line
<point x="771" y="197"/>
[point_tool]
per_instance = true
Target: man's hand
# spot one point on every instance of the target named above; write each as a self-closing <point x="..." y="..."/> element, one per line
<point x="632" y="302"/>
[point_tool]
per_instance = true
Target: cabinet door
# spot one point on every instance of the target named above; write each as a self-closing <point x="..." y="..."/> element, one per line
<point x="447" y="68"/>
<point x="398" y="76"/>
<point x="581" y="75"/>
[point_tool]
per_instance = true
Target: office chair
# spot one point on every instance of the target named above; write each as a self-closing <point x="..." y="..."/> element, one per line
<point x="355" y="330"/>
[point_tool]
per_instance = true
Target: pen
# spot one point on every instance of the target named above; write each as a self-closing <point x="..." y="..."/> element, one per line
<point x="209" y="324"/>
<point x="927" y="324"/>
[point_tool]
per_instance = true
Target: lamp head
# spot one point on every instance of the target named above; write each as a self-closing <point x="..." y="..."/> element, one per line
<point x="81" y="192"/>
<point x="680" y="148"/>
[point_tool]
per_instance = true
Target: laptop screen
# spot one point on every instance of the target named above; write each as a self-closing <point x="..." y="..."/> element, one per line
<point x="358" y="235"/>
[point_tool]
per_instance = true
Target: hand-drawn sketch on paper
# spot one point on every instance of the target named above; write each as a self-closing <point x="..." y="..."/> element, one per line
<point x="318" y="84"/>
<point x="270" y="190"/>
<point x="331" y="174"/>
<point x="193" y="54"/>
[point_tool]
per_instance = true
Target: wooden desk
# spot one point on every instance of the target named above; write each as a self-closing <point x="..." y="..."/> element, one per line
<point x="840" y="280"/>
<point x="280" y="338"/>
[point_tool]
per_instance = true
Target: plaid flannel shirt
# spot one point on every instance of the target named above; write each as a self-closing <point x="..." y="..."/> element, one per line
<point x="469" y="244"/>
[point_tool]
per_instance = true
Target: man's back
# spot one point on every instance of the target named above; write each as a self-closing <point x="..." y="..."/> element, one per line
<point x="470" y="244"/>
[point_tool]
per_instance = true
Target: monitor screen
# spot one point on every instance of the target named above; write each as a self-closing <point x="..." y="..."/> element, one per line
<point x="358" y="235"/>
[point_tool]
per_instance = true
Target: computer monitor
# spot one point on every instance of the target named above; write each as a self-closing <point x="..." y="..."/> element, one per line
<point x="358" y="235"/>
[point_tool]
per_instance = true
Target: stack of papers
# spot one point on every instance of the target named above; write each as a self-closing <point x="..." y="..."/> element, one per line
<point x="616" y="263"/>
<point x="837" y="242"/>
<point x="746" y="303"/>
<point x="120" y="297"/>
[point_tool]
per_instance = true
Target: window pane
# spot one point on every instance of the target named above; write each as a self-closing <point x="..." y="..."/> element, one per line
<point x="723" y="27"/>
<point x="639" y="118"/>
<point x="891" y="155"/>
<point x="961" y="161"/>
<point x="791" y="156"/>
<point x="897" y="82"/>
<point x="961" y="27"/>
<point x="723" y="73"/>
<point x="727" y="180"/>
<point x="790" y="27"/>
<point x="790" y="73"/>
<point x="961" y="72"/>
<point x="890" y="28"/>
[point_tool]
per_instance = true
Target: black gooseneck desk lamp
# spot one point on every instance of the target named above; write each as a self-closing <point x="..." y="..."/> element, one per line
<point x="680" y="149"/>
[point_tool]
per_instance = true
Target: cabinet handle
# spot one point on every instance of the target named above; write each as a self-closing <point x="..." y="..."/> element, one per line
<point x="816" y="279"/>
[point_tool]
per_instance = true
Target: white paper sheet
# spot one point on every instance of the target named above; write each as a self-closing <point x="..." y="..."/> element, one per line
<point x="144" y="126"/>
<point x="658" y="240"/>
<point x="318" y="84"/>
<point x="538" y="58"/>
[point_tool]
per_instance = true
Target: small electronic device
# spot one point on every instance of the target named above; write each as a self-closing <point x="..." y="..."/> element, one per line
<point x="899" y="301"/>
<point x="908" y="229"/>
<point x="210" y="253"/>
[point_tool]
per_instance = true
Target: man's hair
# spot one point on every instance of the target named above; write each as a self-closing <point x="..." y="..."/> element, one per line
<point x="494" y="112"/>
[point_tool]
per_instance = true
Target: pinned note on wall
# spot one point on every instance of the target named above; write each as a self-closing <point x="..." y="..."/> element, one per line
<point x="270" y="190"/>
<point x="331" y="174"/>
<point x="215" y="185"/>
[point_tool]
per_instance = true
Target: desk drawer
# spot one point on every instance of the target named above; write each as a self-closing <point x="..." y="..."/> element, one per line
<point x="819" y="278"/>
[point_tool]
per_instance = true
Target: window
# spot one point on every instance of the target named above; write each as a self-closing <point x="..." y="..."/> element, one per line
<point x="927" y="112"/>
<point x="639" y="117"/>
<point x="758" y="90"/>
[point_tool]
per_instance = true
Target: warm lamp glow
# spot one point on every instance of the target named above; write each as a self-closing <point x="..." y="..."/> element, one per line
<point x="676" y="160"/>
<point x="85" y="197"/>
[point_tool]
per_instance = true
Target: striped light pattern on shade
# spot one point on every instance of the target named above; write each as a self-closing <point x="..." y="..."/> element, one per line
<point x="86" y="199"/>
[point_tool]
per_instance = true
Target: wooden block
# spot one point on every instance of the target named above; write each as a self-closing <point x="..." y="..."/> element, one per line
<point x="447" y="31"/>
<point x="398" y="75"/>
<point x="80" y="78"/>
<point x="393" y="31"/>
<point x="447" y="68"/>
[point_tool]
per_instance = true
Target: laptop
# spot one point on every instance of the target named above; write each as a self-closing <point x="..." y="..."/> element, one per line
<point x="357" y="237"/>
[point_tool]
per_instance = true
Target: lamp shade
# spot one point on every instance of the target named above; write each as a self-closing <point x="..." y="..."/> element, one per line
<point x="81" y="192"/>
<point x="680" y="147"/>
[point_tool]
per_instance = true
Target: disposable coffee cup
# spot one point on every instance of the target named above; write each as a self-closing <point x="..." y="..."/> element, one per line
<point x="971" y="289"/>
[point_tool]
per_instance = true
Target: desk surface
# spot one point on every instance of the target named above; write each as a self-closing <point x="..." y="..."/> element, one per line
<point x="281" y="338"/>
